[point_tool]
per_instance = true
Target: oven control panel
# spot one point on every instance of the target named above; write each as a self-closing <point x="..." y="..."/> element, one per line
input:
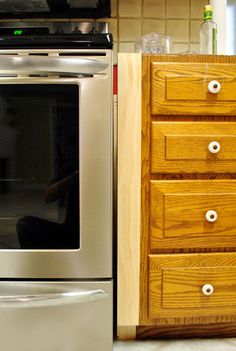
<point x="22" y="31"/>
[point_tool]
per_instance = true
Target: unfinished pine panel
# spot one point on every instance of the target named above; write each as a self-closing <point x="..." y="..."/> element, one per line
<point x="129" y="188"/>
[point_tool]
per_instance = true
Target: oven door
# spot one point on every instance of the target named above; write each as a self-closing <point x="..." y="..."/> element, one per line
<point x="55" y="173"/>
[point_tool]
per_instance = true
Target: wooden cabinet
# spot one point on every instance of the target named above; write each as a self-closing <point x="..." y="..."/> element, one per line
<point x="193" y="88"/>
<point x="193" y="147"/>
<point x="192" y="285"/>
<point x="192" y="214"/>
<point x="177" y="228"/>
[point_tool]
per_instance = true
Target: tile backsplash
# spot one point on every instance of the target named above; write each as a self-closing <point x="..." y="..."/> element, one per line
<point x="178" y="18"/>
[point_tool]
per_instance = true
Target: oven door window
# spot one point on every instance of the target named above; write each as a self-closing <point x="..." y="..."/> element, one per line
<point x="39" y="166"/>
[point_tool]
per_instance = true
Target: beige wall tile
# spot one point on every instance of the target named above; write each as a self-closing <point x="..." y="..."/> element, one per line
<point x="194" y="30"/>
<point x="114" y="5"/>
<point x="178" y="8"/>
<point x="195" y="47"/>
<point x="154" y="8"/>
<point x="179" y="48"/>
<point x="126" y="47"/>
<point x="130" y="8"/>
<point x="150" y="26"/>
<point x="178" y="30"/>
<point x="197" y="7"/>
<point x="129" y="29"/>
<point x="115" y="53"/>
<point x="113" y="27"/>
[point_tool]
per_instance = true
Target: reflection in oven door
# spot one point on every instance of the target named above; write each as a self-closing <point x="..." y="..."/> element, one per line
<point x="39" y="159"/>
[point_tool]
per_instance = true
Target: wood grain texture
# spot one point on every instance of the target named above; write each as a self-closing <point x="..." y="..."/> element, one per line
<point x="178" y="214"/>
<point x="182" y="147"/>
<point x="129" y="188"/>
<point x="176" y="281"/>
<point x="132" y="310"/>
<point x="182" y="88"/>
<point x="200" y="113"/>
<point x="144" y="319"/>
<point x="214" y="330"/>
<point x="225" y="59"/>
<point x="126" y="332"/>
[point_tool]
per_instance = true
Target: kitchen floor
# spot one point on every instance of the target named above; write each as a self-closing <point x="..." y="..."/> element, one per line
<point x="177" y="345"/>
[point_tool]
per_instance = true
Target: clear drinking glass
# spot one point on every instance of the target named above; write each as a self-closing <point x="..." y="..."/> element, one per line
<point x="154" y="43"/>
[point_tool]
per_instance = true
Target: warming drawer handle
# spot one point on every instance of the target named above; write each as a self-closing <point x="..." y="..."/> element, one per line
<point x="47" y="65"/>
<point x="52" y="299"/>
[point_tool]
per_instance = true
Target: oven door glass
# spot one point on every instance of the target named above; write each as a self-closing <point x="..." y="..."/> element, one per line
<point x="39" y="166"/>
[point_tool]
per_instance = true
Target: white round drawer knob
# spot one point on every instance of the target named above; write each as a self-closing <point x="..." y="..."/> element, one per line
<point x="214" y="87"/>
<point x="214" y="147"/>
<point x="211" y="216"/>
<point x="207" y="289"/>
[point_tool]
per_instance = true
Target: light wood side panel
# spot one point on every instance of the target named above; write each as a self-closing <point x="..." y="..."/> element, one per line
<point x="126" y="333"/>
<point x="178" y="212"/>
<point x="176" y="283"/>
<point x="129" y="187"/>
<point x="183" y="147"/>
<point x="182" y="88"/>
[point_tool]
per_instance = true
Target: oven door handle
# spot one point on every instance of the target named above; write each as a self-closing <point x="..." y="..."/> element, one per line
<point x="50" y="65"/>
<point x="52" y="299"/>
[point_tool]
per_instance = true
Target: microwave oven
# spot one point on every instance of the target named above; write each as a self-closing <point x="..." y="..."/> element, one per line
<point x="55" y="9"/>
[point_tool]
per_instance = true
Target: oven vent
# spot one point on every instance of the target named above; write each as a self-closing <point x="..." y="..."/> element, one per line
<point x="8" y="54"/>
<point x="65" y="54"/>
<point x="83" y="54"/>
<point x="79" y="75"/>
<point x="2" y="75"/>
<point x="38" y="54"/>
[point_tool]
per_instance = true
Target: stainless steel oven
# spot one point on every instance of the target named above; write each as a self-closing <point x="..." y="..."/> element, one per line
<point x="56" y="179"/>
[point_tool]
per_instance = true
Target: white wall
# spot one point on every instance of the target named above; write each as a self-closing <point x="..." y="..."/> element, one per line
<point x="231" y="27"/>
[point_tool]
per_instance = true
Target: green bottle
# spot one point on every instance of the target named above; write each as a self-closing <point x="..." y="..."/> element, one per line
<point x="208" y="32"/>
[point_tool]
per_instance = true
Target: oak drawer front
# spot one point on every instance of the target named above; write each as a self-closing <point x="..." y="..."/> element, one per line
<point x="192" y="214"/>
<point x="187" y="285"/>
<point x="193" y="147"/>
<point x="185" y="88"/>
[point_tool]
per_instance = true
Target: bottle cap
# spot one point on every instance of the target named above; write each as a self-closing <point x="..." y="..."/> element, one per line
<point x="208" y="8"/>
<point x="208" y="12"/>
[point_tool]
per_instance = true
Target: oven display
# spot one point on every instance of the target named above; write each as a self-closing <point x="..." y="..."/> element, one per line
<point x="24" y="31"/>
<point x="39" y="166"/>
<point x="18" y="32"/>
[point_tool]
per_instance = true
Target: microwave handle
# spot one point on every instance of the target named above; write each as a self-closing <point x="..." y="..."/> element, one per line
<point x="50" y="65"/>
<point x="51" y="299"/>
